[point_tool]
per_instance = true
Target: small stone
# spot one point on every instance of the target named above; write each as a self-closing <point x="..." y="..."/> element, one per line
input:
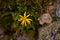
<point x="51" y="8"/>
<point x="45" y="18"/>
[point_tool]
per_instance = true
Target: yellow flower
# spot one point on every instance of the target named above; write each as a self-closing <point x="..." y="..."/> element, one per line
<point x="24" y="19"/>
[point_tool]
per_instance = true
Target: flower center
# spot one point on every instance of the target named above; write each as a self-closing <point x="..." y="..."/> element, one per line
<point x="25" y="18"/>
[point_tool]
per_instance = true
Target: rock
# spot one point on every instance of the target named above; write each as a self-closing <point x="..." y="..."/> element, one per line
<point x="51" y="8"/>
<point x="1" y="34"/>
<point x="45" y="18"/>
<point x="50" y="32"/>
<point x="58" y="10"/>
<point x="15" y="35"/>
<point x="57" y="37"/>
<point x="23" y="36"/>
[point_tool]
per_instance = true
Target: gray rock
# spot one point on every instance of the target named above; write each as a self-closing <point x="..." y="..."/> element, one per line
<point x="58" y="10"/>
<point x="50" y="32"/>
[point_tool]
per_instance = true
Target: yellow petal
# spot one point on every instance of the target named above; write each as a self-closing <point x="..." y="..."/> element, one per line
<point x="20" y="15"/>
<point x="25" y="14"/>
<point x="22" y="22"/>
<point x="20" y="19"/>
<point x="25" y="23"/>
<point x="28" y="15"/>
<point x="28" y="21"/>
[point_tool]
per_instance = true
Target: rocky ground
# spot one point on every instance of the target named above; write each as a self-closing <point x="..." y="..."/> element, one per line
<point x="51" y="32"/>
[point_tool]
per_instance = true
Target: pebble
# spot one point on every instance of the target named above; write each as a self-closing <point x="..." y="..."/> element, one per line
<point x="45" y="18"/>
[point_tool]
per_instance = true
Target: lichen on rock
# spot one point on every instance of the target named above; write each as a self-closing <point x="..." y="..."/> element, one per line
<point x="50" y="32"/>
